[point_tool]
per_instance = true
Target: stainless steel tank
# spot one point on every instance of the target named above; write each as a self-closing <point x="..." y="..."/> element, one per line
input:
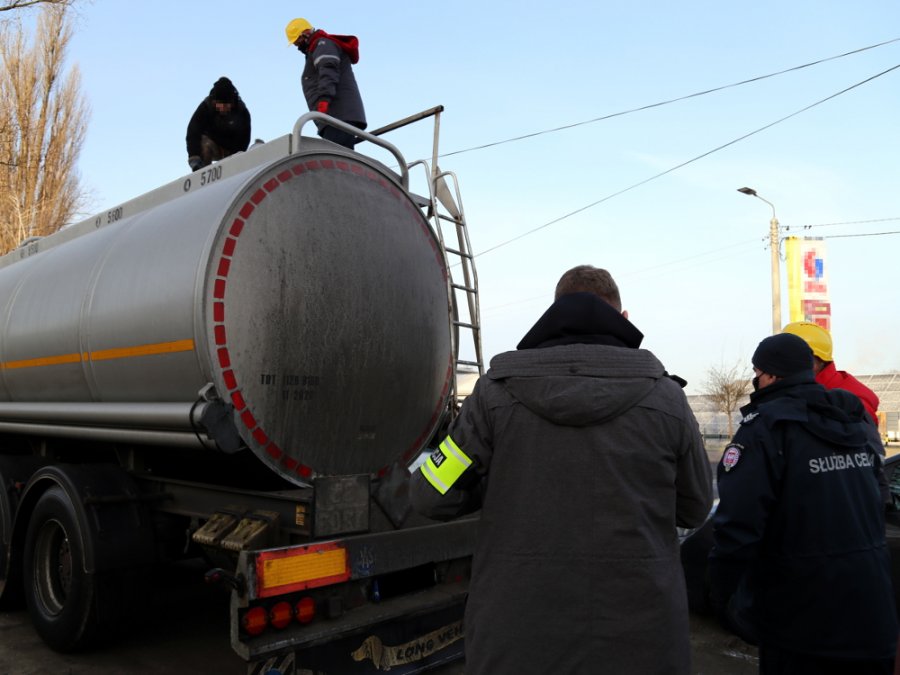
<point x="309" y="289"/>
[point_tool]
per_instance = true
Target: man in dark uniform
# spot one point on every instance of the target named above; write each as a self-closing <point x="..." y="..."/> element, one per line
<point x="219" y="127"/>
<point x="799" y="563"/>
<point x="328" y="81"/>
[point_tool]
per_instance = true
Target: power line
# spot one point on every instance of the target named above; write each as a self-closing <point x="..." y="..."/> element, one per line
<point x="669" y="101"/>
<point x="690" y="161"/>
<point x="866" y="234"/>
<point x="847" y="222"/>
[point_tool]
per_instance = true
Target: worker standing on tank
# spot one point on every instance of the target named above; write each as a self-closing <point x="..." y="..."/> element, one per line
<point x="328" y="81"/>
<point x="584" y="456"/>
<point x="219" y="127"/>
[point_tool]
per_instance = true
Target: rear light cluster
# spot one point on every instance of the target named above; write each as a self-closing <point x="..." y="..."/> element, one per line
<point x="257" y="619"/>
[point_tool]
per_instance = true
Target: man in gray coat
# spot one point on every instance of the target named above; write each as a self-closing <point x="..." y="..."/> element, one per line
<point x="328" y="81"/>
<point x="583" y="456"/>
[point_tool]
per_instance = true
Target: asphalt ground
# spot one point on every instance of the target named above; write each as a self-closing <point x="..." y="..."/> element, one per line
<point x="184" y="630"/>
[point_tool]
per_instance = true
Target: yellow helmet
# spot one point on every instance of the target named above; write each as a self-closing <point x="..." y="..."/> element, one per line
<point x="296" y="28"/>
<point x="818" y="339"/>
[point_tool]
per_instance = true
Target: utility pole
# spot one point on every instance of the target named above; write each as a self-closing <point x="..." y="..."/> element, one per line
<point x="776" y="264"/>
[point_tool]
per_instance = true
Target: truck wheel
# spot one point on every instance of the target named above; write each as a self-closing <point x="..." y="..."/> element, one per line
<point x="60" y="594"/>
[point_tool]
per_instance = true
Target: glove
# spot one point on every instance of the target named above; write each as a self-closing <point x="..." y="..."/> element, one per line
<point x="195" y="162"/>
<point x="322" y="106"/>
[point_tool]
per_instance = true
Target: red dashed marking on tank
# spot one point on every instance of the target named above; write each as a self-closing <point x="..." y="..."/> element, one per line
<point x="238" y="399"/>
<point x="224" y="358"/>
<point x="248" y="419"/>
<point x="219" y="285"/>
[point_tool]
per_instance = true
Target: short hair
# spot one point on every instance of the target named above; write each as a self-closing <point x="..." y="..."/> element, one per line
<point x="590" y="279"/>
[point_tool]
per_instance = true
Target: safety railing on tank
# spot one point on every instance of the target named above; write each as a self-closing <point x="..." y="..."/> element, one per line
<point x="350" y="129"/>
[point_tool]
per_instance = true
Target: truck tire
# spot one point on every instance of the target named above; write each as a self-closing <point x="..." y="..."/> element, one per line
<point x="14" y="473"/>
<point x="61" y="596"/>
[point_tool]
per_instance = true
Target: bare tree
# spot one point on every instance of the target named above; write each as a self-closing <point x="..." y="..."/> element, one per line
<point x="726" y="387"/>
<point x="25" y="4"/>
<point x="43" y="119"/>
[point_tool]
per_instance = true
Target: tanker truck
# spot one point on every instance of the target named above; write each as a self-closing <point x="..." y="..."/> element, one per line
<point x="240" y="366"/>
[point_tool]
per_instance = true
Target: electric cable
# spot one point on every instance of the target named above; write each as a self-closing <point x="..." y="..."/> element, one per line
<point x="669" y="101"/>
<point x="687" y="162"/>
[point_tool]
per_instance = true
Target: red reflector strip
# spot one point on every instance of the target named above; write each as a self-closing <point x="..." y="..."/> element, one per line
<point x="297" y="569"/>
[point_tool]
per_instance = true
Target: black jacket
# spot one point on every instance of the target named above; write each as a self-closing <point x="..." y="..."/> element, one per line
<point x="799" y="551"/>
<point x="231" y="130"/>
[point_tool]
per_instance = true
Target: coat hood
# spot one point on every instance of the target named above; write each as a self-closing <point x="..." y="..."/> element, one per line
<point x="835" y="416"/>
<point x="578" y="385"/>
<point x="348" y="43"/>
<point x="579" y="364"/>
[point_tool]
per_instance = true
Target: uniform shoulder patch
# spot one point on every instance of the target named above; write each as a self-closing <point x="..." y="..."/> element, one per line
<point x="731" y="456"/>
<point x="749" y="417"/>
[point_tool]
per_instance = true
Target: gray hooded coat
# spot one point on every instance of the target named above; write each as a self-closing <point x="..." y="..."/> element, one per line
<point x="585" y="457"/>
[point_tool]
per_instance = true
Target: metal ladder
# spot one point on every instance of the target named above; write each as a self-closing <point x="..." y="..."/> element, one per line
<point x="444" y="208"/>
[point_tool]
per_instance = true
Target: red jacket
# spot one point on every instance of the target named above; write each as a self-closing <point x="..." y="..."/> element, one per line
<point x="832" y="378"/>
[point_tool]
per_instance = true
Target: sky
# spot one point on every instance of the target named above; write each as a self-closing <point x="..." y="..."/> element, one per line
<point x="651" y="194"/>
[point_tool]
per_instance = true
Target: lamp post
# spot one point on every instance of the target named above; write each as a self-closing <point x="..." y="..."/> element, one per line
<point x="773" y="245"/>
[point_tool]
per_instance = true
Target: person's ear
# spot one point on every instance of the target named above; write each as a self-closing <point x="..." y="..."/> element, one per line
<point x="625" y="313"/>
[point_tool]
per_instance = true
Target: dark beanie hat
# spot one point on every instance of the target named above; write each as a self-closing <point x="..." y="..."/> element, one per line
<point x="223" y="91"/>
<point x="782" y="355"/>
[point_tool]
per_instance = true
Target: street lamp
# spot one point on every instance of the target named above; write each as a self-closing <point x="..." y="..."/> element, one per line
<point x="776" y="279"/>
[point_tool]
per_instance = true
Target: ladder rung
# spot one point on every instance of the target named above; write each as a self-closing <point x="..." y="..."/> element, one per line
<point x="465" y="325"/>
<point x="451" y="219"/>
<point x="467" y="363"/>
<point x="460" y="287"/>
<point x="459" y="253"/>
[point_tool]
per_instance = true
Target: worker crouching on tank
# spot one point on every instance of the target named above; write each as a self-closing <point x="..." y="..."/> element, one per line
<point x="219" y="127"/>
